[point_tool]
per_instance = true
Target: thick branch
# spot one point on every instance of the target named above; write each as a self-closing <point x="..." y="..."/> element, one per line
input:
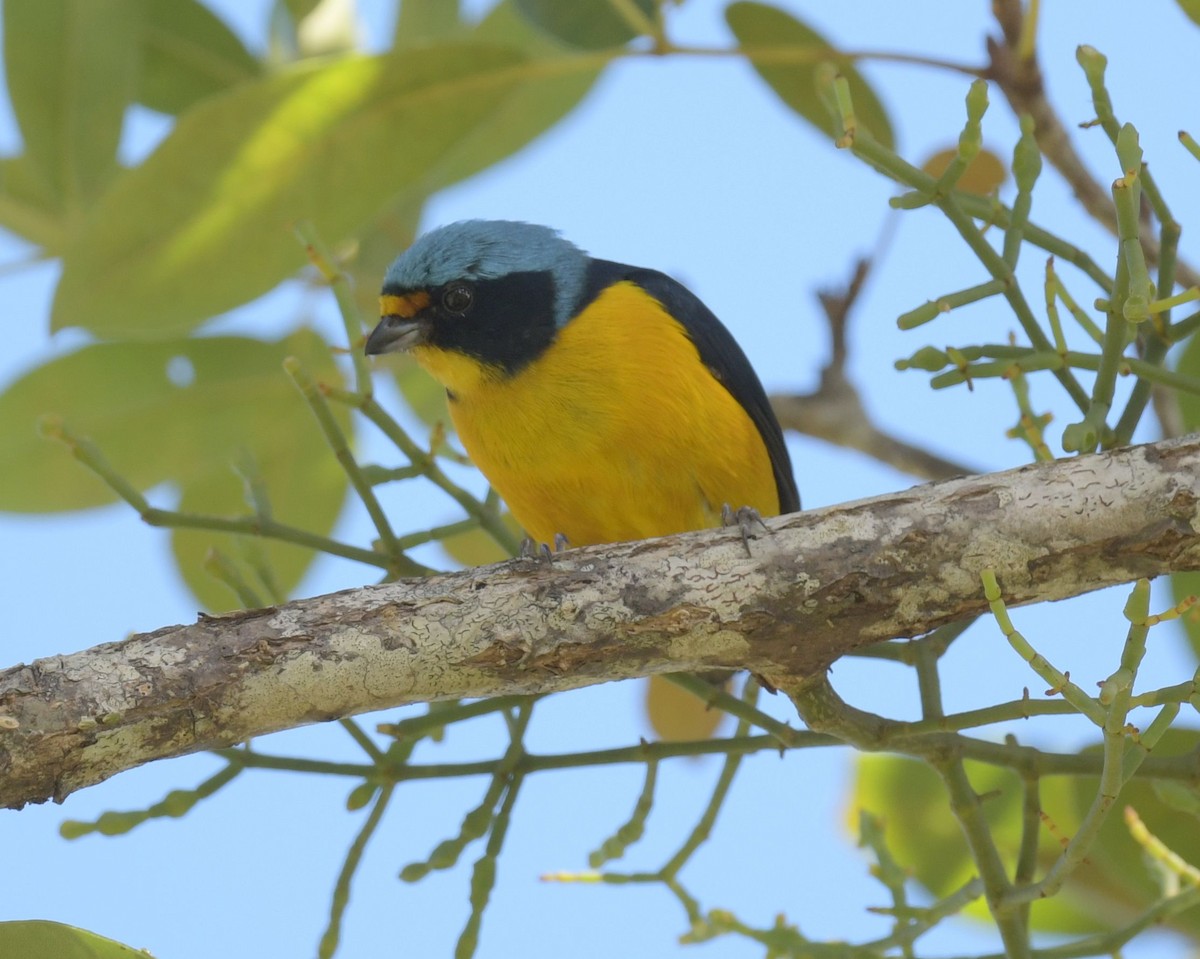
<point x="821" y="584"/>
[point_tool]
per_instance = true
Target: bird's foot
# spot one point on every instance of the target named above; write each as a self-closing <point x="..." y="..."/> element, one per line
<point x="745" y="518"/>
<point x="542" y="551"/>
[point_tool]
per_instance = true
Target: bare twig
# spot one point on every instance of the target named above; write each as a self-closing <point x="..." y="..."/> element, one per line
<point x="835" y="412"/>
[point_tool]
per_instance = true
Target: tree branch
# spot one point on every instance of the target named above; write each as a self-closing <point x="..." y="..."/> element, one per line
<point x="835" y="411"/>
<point x="820" y="584"/>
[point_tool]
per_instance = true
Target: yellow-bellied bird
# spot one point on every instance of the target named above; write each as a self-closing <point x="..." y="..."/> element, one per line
<point x="604" y="402"/>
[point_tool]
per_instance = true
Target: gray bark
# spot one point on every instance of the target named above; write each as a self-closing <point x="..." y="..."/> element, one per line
<point x="817" y="585"/>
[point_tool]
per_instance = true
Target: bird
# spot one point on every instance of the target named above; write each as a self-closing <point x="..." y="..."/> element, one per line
<point x="603" y="402"/>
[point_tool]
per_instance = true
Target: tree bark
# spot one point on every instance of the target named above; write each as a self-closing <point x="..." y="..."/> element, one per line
<point x="818" y="584"/>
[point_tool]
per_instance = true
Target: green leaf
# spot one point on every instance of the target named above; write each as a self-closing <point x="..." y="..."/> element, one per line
<point x="330" y="27"/>
<point x="180" y="412"/>
<point x="41" y="939"/>
<point x="423" y="20"/>
<point x="1191" y="9"/>
<point x="759" y="25"/>
<point x="379" y="243"/>
<point x="1182" y="797"/>
<point x="589" y="24"/>
<point x="1184" y="585"/>
<point x="298" y="9"/>
<point x="29" y="208"/>
<point x="984" y="175"/>
<point x="425" y="396"/>
<point x="70" y="77"/>
<point x="1189" y="403"/>
<point x="188" y="53"/>
<point x="921" y="833"/>
<point x="1119" y="882"/>
<point x="477" y="548"/>
<point x="926" y="839"/>
<point x="204" y="224"/>
<point x="534" y="106"/>
<point x="676" y="715"/>
<point x="1111" y="887"/>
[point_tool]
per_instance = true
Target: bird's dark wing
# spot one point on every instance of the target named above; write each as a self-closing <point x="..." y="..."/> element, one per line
<point x="718" y="350"/>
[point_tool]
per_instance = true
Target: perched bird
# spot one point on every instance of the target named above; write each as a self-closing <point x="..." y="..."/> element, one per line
<point x="604" y="402"/>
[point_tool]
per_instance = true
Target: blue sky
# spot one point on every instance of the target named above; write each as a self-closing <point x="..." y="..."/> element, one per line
<point x="690" y="166"/>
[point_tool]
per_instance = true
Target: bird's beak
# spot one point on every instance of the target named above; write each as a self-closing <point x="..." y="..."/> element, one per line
<point x="394" y="334"/>
<point x="399" y="326"/>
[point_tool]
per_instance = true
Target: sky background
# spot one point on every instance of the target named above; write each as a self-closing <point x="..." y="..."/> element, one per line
<point x="688" y="165"/>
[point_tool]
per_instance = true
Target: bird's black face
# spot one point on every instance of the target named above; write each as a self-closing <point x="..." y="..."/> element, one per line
<point x="504" y="322"/>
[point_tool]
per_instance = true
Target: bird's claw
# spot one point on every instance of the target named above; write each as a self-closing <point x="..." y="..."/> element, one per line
<point x="745" y="518"/>
<point x="542" y="551"/>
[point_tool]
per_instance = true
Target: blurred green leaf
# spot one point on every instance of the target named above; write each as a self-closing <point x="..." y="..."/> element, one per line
<point x="205" y="223"/>
<point x="425" y="396"/>
<point x="927" y="840"/>
<point x="1184" y="585"/>
<point x="1119" y="882"/>
<point x="533" y="107"/>
<point x="1188" y="584"/>
<point x="423" y="20"/>
<point x="1182" y="797"/>
<point x="759" y="25"/>
<point x="41" y="939"/>
<point x="188" y="53"/>
<point x="1191" y="9"/>
<point x="537" y="103"/>
<point x="477" y="548"/>
<point x="1110" y="888"/>
<point x="180" y="412"/>
<point x="589" y="24"/>
<point x="676" y="715"/>
<point x="984" y="175"/>
<point x="71" y="74"/>
<point x="298" y="9"/>
<point x="1189" y="365"/>
<point x="29" y="208"/>
<point x="331" y="27"/>
<point x="920" y="832"/>
<point x="378" y="244"/>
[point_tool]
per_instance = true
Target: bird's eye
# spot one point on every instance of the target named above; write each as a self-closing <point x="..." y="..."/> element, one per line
<point x="458" y="298"/>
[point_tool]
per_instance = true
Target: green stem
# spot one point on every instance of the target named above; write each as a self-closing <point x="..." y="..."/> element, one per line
<point x="712" y="696"/>
<point x="368" y="746"/>
<point x="445" y="715"/>
<point x="488" y="517"/>
<point x="223" y="568"/>
<point x="90" y="456"/>
<point x="944" y="304"/>
<point x="967" y="808"/>
<point x="1027" y="166"/>
<point x="703" y="829"/>
<point x="398" y="562"/>
<point x="322" y="258"/>
<point x="1059" y="682"/>
<point x="341" y="891"/>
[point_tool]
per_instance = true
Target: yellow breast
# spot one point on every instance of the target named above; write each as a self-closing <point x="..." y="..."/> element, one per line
<point x="616" y="432"/>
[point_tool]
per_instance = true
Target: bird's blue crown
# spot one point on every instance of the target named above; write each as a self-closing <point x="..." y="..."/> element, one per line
<point x="488" y="249"/>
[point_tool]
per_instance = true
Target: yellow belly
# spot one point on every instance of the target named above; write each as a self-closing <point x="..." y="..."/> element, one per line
<point x="617" y="432"/>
